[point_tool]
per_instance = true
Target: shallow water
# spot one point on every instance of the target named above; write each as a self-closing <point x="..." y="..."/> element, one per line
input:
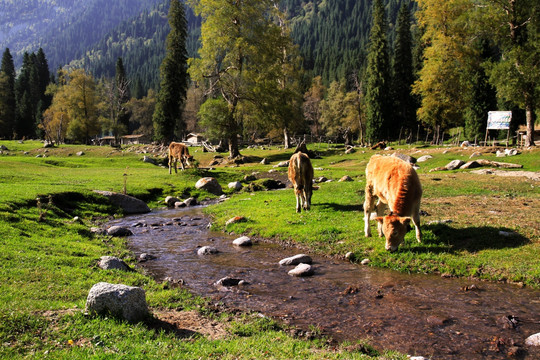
<point x="415" y="314"/>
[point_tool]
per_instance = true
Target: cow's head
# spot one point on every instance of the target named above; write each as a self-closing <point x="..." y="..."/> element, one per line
<point x="188" y="159"/>
<point x="394" y="229"/>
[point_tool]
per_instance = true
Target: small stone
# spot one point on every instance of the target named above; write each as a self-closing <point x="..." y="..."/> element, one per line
<point x="295" y="260"/>
<point x="282" y="164"/>
<point x="207" y="250"/>
<point x="209" y="184"/>
<point x="190" y="201"/>
<point x="171" y="200"/>
<point x="349" y="255"/>
<point x="533" y="340"/>
<point x="80" y="153"/>
<point x="365" y="262"/>
<point x="236" y="185"/>
<point x="243" y="241"/>
<point x="145" y="257"/>
<point x="235" y="220"/>
<point x="302" y="270"/>
<point x="179" y="204"/>
<point x="228" y="281"/>
<point x="264" y="161"/>
<point x="454" y="164"/>
<point x="149" y="160"/>
<point x="113" y="263"/>
<point x="346" y="178"/>
<point x="119" y="231"/>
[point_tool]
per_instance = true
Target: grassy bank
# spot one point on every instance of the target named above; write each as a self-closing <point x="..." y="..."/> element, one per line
<point x="47" y="268"/>
<point x="480" y="226"/>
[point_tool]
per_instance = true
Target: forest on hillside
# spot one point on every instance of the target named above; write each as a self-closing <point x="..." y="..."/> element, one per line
<point x="338" y="69"/>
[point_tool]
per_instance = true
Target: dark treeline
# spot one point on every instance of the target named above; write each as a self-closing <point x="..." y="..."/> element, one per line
<point x="333" y="34"/>
<point x="23" y="98"/>
<point x="141" y="43"/>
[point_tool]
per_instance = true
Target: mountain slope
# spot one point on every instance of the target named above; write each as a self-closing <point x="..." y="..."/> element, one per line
<point x="140" y="42"/>
<point x="63" y="28"/>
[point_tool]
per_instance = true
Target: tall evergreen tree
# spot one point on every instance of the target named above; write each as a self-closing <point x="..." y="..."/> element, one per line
<point x="404" y="115"/>
<point x="377" y="77"/>
<point x="7" y="95"/>
<point x="43" y="79"/>
<point x="26" y="93"/>
<point x="174" y="79"/>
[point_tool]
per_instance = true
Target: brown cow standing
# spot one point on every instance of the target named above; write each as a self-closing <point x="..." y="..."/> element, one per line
<point x="397" y="186"/>
<point x="301" y="176"/>
<point x="179" y="151"/>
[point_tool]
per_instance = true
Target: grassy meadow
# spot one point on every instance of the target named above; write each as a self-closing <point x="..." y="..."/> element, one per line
<point x="483" y="226"/>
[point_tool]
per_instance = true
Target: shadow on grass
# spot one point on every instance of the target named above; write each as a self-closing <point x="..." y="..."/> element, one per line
<point x="340" y="207"/>
<point x="472" y="239"/>
<point x="171" y="327"/>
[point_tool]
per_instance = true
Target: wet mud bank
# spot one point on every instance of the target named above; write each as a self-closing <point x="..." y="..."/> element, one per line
<point x="414" y="314"/>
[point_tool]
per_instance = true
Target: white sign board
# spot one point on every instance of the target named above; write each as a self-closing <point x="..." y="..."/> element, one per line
<point x="499" y="120"/>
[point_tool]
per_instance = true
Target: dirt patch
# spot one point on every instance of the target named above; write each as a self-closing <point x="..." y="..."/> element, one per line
<point x="188" y="324"/>
<point x="465" y="211"/>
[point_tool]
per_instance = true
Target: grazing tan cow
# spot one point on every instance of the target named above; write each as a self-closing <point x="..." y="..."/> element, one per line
<point x="397" y="186"/>
<point x="301" y="176"/>
<point x="179" y="151"/>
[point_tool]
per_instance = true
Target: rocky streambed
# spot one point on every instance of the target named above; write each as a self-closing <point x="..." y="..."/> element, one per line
<point x="419" y="315"/>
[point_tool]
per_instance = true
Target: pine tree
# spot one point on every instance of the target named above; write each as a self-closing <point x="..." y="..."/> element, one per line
<point x="404" y="115"/>
<point x="43" y="80"/>
<point x="7" y="95"/>
<point x="26" y="93"/>
<point x="377" y="78"/>
<point x="167" y="115"/>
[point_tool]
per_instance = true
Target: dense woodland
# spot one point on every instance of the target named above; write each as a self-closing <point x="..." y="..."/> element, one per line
<point x="354" y="71"/>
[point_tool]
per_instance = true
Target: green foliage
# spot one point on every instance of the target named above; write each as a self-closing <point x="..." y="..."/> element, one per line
<point x="167" y="116"/>
<point x="7" y="95"/>
<point x="404" y="105"/>
<point x="378" y="78"/>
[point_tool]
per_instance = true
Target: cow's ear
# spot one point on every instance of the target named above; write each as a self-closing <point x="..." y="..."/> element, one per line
<point x="405" y="220"/>
<point x="379" y="219"/>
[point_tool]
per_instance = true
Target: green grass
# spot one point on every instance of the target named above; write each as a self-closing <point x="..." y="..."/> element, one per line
<point x="47" y="267"/>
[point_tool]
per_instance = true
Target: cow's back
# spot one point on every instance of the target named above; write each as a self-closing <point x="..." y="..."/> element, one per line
<point x="395" y="182"/>
<point x="177" y="150"/>
<point x="300" y="170"/>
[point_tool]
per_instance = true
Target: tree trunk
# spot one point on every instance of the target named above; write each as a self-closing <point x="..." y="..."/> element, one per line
<point x="531" y="117"/>
<point x="233" y="146"/>
<point x="286" y="139"/>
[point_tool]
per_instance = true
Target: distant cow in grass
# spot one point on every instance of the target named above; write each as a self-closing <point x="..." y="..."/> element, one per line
<point x="301" y="176"/>
<point x="397" y="186"/>
<point x="179" y="152"/>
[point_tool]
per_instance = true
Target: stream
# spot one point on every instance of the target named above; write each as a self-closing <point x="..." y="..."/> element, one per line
<point x="420" y="315"/>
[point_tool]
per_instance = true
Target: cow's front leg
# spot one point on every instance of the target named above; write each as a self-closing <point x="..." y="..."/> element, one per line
<point x="381" y="207"/>
<point x="368" y="206"/>
<point x="416" y="222"/>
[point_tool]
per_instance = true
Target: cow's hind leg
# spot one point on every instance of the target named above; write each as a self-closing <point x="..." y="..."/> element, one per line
<point x="307" y="196"/>
<point x="298" y="195"/>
